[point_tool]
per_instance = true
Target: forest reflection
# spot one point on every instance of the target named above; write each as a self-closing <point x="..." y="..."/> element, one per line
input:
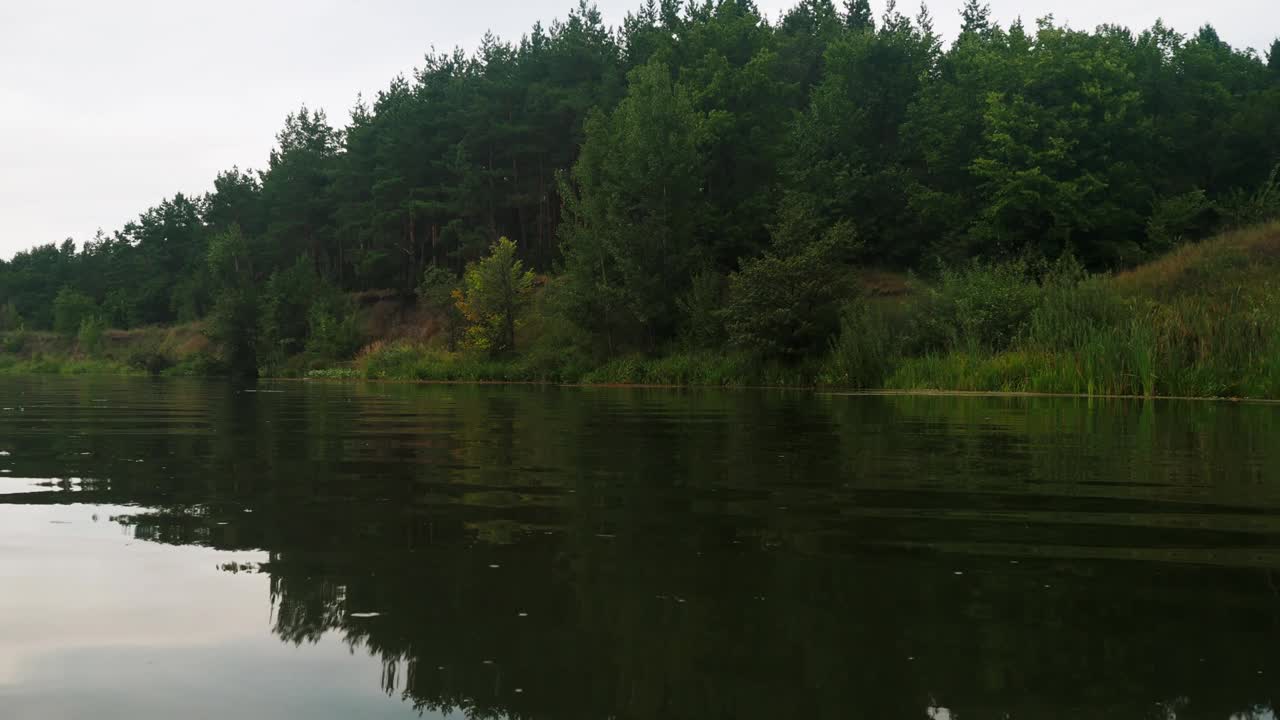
<point x="565" y="553"/>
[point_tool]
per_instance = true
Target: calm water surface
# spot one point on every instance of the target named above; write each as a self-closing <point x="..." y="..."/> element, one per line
<point x="190" y="550"/>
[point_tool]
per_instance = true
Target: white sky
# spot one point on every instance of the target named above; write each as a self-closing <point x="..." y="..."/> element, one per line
<point x="108" y="107"/>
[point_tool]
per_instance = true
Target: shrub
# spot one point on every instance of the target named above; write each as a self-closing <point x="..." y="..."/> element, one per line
<point x="15" y="341"/>
<point x="150" y="360"/>
<point x="89" y="338"/>
<point x="1240" y="208"/>
<point x="233" y="325"/>
<point x="700" y="308"/>
<point x="866" y="350"/>
<point x="978" y="307"/>
<point x="785" y="306"/>
<point x="70" y="308"/>
<point x="10" y="318"/>
<point x="284" y="311"/>
<point x="200" y="365"/>
<point x="332" y="333"/>
<point x="1177" y="219"/>
<point x="436" y="295"/>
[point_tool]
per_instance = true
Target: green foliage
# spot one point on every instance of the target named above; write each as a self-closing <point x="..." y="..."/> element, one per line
<point x="332" y="333"/>
<point x="494" y="294"/>
<point x="334" y="374"/>
<point x="408" y="361"/>
<point x="787" y="305"/>
<point x="151" y="360"/>
<point x="977" y="306"/>
<point x="701" y="307"/>
<point x="205" y="365"/>
<point x="636" y="210"/>
<point x="703" y="369"/>
<point x="1241" y="209"/>
<point x="10" y="319"/>
<point x="89" y="337"/>
<point x="285" y="307"/>
<point x="14" y="341"/>
<point x="867" y="348"/>
<point x="233" y="326"/>
<point x="1179" y="218"/>
<point x="119" y="309"/>
<point x="436" y="294"/>
<point x="46" y="365"/>
<point x="191" y="300"/>
<point x="70" y="309"/>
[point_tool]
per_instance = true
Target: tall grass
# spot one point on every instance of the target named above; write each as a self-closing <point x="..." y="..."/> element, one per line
<point x="50" y="365"/>
<point x="412" y="361"/>
<point x="868" y="347"/>
<point x="1204" y="321"/>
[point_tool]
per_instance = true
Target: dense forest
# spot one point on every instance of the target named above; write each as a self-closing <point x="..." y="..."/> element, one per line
<point x="701" y="177"/>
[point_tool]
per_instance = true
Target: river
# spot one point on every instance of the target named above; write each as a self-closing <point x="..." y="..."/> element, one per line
<point x="175" y="548"/>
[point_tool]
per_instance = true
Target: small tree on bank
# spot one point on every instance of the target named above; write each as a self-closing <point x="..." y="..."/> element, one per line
<point x="495" y="290"/>
<point x="70" y="308"/>
<point x="436" y="295"/>
<point x="10" y="319"/>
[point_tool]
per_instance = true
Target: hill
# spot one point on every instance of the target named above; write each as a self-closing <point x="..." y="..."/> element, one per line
<point x="1201" y="321"/>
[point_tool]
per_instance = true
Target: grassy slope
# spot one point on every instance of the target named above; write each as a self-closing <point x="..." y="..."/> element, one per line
<point x="1203" y="321"/>
<point x="1243" y="259"/>
<point x="123" y="352"/>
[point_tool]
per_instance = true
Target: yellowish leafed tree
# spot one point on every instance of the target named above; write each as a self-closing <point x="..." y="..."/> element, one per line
<point x="495" y="290"/>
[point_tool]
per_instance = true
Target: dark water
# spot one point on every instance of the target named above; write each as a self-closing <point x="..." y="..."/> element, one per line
<point x="186" y="550"/>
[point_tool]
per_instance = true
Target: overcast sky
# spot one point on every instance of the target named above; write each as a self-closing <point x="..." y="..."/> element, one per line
<point x="108" y="107"/>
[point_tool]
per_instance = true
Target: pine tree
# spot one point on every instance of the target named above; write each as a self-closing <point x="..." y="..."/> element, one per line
<point x="975" y="18"/>
<point x="858" y="15"/>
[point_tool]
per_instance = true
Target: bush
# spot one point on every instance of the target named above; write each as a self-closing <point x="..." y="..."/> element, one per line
<point x="785" y="306"/>
<point x="285" y="306"/>
<point x="408" y="361"/>
<point x="331" y="328"/>
<point x="1177" y="219"/>
<point x="701" y="310"/>
<point x="120" y="308"/>
<point x="866" y="350"/>
<point x="233" y="325"/>
<point x="15" y="341"/>
<point x="697" y="369"/>
<point x="70" y="308"/>
<point x="978" y="307"/>
<point x="89" y="338"/>
<point x="436" y="295"/>
<point x="150" y="360"/>
<point x="1240" y="208"/>
<point x="199" y="365"/>
<point x="557" y="348"/>
<point x="10" y="318"/>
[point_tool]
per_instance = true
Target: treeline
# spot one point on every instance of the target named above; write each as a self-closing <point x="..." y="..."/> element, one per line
<point x="701" y="176"/>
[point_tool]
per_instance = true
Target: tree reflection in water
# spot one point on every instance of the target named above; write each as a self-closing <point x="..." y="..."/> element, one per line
<point x="548" y="553"/>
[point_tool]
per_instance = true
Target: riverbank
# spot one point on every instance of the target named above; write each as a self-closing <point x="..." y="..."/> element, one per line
<point x="181" y="350"/>
<point x="1202" y="321"/>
